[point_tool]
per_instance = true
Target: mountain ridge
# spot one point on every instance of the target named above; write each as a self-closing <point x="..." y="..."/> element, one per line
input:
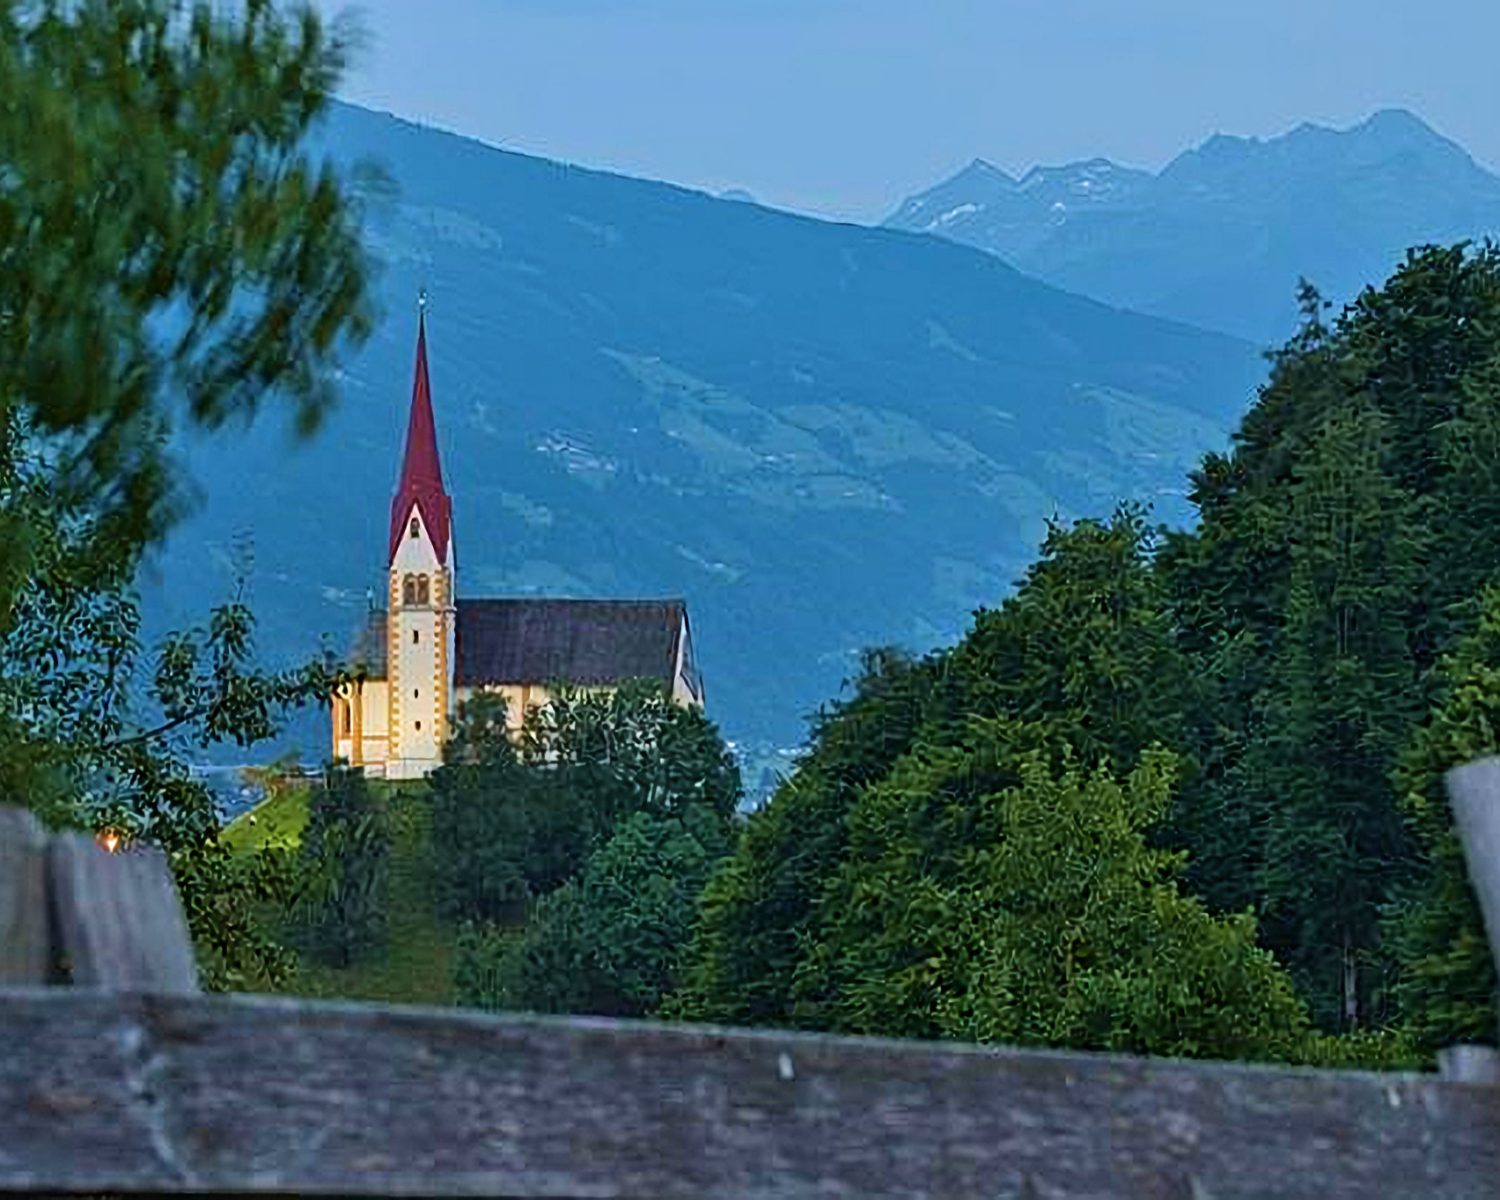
<point x="1219" y="236"/>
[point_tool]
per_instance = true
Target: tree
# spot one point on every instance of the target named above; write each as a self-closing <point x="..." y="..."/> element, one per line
<point x="341" y="910"/>
<point x="1338" y="546"/>
<point x="610" y="942"/>
<point x="1341" y="702"/>
<point x="635" y="748"/>
<point x="604" y="827"/>
<point x="166" y="245"/>
<point x="1447" y="987"/>
<point x="999" y="890"/>
<point x="1225" y="587"/>
<point x="1463" y="510"/>
<point x="95" y="731"/>
<point x="481" y="838"/>
<point x="1084" y="645"/>
<point x="167" y="252"/>
<point x="758" y="905"/>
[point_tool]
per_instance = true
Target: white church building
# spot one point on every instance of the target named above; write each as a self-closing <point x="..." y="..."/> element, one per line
<point x="419" y="658"/>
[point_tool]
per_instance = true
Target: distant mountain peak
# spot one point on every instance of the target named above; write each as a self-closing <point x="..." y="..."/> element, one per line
<point x="1226" y="145"/>
<point x="1398" y="121"/>
<point x="959" y="196"/>
<point x="983" y="169"/>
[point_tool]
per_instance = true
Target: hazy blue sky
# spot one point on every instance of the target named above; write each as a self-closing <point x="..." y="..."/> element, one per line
<point x="845" y="106"/>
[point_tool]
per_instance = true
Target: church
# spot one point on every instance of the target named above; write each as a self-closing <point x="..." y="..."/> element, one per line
<point x="423" y="655"/>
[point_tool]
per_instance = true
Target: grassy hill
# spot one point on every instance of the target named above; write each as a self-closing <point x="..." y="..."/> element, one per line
<point x="417" y="968"/>
<point x="823" y="436"/>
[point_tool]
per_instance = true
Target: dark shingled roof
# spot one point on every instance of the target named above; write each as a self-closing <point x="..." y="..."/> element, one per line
<point x="573" y="641"/>
<point x="543" y="641"/>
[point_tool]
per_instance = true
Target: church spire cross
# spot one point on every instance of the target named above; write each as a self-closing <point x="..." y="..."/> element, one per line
<point x="421" y="481"/>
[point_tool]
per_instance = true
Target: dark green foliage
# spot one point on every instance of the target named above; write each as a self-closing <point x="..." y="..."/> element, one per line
<point x="1084" y="645"/>
<point x="342" y="882"/>
<point x="632" y="750"/>
<point x="1343" y="696"/>
<point x="480" y="832"/>
<point x="611" y="941"/>
<point x="1447" y="987"/>
<point x="606" y="828"/>
<point x="757" y="909"/>
<point x="1465" y="505"/>
<point x="508" y="829"/>
<point x="1082" y="649"/>
<point x="1283" y="650"/>
<point x="82" y="745"/>
<point x="485" y="963"/>
<point x="1339" y="544"/>
<point x="998" y="891"/>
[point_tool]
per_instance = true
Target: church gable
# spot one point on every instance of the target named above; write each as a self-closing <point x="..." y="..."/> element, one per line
<point x="583" y="642"/>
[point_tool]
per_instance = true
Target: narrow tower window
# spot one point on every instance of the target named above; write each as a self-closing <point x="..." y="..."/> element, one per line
<point x="424" y="593"/>
<point x="419" y="726"/>
<point x="416" y="693"/>
<point x="416" y="636"/>
<point x="416" y="528"/>
<point x="409" y="590"/>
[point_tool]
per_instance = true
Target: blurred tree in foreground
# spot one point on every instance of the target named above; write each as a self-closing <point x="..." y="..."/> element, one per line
<point x="169" y="255"/>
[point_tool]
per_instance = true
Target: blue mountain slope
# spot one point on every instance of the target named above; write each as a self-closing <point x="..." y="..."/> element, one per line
<point x="823" y="436"/>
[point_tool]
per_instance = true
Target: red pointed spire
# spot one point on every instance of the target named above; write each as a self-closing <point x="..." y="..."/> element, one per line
<point x="421" y="481"/>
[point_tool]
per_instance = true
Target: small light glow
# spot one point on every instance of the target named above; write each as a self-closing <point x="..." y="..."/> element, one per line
<point x="110" y="840"/>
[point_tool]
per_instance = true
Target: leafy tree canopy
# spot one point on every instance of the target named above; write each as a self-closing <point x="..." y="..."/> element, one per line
<point x="510" y="824"/>
<point x="758" y="906"/>
<point x="610" y="942"/>
<point x="1001" y="891"/>
<point x="166" y="244"/>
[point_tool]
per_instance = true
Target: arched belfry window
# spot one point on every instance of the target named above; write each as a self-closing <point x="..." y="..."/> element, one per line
<point x="424" y="591"/>
<point x="409" y="590"/>
<point x="416" y="528"/>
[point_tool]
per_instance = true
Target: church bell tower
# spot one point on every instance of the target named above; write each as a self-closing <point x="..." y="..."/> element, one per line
<point x="421" y="599"/>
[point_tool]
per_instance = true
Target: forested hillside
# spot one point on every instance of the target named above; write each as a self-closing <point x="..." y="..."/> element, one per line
<point x="986" y="841"/>
<point x="1181" y="793"/>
